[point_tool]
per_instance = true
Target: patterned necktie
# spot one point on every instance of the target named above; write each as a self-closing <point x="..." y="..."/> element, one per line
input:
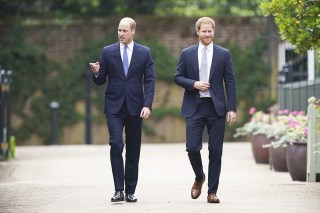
<point x="125" y="60"/>
<point x="204" y="67"/>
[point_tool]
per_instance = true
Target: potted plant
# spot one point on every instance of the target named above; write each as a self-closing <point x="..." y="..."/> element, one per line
<point x="282" y="131"/>
<point x="257" y="127"/>
<point x="295" y="141"/>
<point x="277" y="152"/>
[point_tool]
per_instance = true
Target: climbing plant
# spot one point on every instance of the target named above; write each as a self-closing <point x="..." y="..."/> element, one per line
<point x="38" y="80"/>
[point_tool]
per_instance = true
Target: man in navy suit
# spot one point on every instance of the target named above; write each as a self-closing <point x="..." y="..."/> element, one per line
<point x="205" y="71"/>
<point x="128" y="69"/>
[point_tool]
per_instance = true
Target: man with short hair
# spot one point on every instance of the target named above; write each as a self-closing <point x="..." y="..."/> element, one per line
<point x="128" y="69"/>
<point x="205" y="71"/>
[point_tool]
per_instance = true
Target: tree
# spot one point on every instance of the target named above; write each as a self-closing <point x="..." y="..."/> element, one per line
<point x="298" y="22"/>
<point x="196" y="8"/>
<point x="88" y="8"/>
<point x="57" y="8"/>
<point x="76" y="8"/>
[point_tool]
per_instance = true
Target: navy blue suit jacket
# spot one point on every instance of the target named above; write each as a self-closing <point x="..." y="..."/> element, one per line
<point x="221" y="79"/>
<point x="137" y="88"/>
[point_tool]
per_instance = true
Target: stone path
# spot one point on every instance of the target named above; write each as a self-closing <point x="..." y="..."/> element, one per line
<point x="77" y="178"/>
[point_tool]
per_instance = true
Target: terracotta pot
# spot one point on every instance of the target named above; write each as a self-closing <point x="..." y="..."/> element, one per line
<point x="261" y="155"/>
<point x="296" y="156"/>
<point x="278" y="158"/>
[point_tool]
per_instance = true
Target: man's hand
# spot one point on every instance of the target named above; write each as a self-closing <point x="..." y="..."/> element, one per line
<point x="201" y="85"/>
<point x="95" y="67"/>
<point x="231" y="117"/>
<point x="145" y="113"/>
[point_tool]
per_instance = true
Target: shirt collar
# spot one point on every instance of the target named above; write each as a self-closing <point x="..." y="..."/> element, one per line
<point x="130" y="46"/>
<point x="209" y="47"/>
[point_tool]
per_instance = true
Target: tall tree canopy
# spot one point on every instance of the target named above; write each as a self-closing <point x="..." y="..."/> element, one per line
<point x="81" y="8"/>
<point x="298" y="22"/>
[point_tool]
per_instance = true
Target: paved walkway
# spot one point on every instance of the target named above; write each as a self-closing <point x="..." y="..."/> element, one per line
<point x="77" y="178"/>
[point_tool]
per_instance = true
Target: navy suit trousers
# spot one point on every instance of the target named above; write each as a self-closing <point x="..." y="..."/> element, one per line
<point x="124" y="174"/>
<point x="206" y="115"/>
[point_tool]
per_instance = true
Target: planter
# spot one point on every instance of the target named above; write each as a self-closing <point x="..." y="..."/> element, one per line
<point x="278" y="158"/>
<point x="296" y="157"/>
<point x="261" y="155"/>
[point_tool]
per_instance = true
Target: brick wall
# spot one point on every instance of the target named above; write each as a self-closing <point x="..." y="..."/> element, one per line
<point x="62" y="42"/>
<point x="176" y="33"/>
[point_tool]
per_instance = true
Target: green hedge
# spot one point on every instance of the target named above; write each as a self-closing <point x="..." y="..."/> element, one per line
<point x="37" y="80"/>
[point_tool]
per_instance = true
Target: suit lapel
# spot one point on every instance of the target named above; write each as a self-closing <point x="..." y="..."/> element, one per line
<point x="194" y="59"/>
<point x="133" y="57"/>
<point x="215" y="58"/>
<point x="118" y="59"/>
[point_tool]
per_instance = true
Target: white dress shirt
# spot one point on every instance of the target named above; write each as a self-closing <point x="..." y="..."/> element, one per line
<point x="129" y="51"/>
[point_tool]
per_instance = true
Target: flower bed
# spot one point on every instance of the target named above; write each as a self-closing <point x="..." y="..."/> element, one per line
<point x="283" y="127"/>
<point x="287" y="132"/>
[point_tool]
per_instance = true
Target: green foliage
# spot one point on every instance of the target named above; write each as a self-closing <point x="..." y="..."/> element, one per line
<point x="88" y="8"/>
<point x="30" y="69"/>
<point x="79" y="66"/>
<point x="298" y="22"/>
<point x="196" y="8"/>
<point x="251" y="72"/>
<point x="137" y="6"/>
<point x="252" y="78"/>
<point x="58" y="8"/>
<point x="148" y="129"/>
<point x="37" y="81"/>
<point x="164" y="61"/>
<point x="13" y="50"/>
<point x="159" y="113"/>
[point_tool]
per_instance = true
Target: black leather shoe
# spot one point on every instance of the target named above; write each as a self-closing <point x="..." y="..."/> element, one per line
<point x="118" y="196"/>
<point x="131" y="198"/>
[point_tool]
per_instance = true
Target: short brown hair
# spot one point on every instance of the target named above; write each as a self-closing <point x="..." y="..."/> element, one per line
<point x="205" y="20"/>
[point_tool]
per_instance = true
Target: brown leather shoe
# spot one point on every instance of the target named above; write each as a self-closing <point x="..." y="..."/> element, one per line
<point x="212" y="198"/>
<point x="196" y="188"/>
